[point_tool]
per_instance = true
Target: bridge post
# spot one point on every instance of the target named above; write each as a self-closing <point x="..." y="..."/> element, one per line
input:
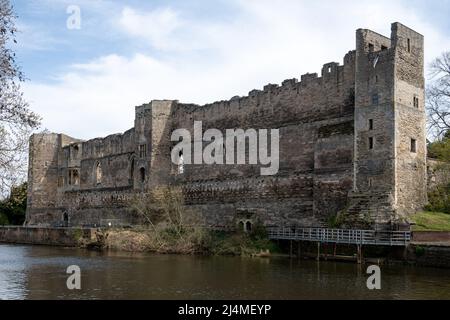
<point x="290" y="249"/>
<point x="359" y="254"/>
<point x="318" y="251"/>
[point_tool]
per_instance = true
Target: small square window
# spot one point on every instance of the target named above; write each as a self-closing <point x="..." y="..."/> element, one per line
<point x="371" y="124"/>
<point x="375" y="99"/>
<point x="413" y="145"/>
<point x="383" y="48"/>
<point x="371" y="47"/>
<point x="371" y="143"/>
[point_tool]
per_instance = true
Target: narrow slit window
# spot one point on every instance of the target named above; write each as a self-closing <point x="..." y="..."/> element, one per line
<point x="98" y="173"/>
<point x="416" y="102"/>
<point x="181" y="163"/>
<point x="371" y="143"/>
<point x="371" y="124"/>
<point x="413" y="145"/>
<point x="409" y="45"/>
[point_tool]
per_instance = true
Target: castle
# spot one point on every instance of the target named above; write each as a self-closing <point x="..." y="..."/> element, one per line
<point x="352" y="140"/>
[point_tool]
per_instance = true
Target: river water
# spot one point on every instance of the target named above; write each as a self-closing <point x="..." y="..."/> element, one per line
<point x="34" y="272"/>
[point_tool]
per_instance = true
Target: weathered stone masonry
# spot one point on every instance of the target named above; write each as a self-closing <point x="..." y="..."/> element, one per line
<point x="351" y="140"/>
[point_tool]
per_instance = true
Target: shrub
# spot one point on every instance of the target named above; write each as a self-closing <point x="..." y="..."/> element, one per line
<point x="3" y="220"/>
<point x="420" y="251"/>
<point x="173" y="228"/>
<point x="439" y="199"/>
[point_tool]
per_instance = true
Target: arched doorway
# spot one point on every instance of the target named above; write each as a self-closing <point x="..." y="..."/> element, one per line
<point x="66" y="219"/>
<point x="142" y="174"/>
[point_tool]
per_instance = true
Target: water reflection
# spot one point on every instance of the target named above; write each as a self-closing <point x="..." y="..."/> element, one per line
<point x="39" y="273"/>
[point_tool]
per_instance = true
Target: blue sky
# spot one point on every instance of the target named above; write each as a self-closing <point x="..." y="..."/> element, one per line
<point x="86" y="82"/>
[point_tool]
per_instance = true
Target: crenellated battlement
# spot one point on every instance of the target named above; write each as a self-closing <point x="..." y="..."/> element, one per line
<point x="334" y="78"/>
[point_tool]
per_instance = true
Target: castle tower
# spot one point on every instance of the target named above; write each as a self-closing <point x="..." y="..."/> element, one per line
<point x="44" y="178"/>
<point x="390" y="133"/>
<point x="152" y="138"/>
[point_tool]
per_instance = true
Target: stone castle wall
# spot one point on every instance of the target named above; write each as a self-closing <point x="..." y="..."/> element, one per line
<point x="322" y="161"/>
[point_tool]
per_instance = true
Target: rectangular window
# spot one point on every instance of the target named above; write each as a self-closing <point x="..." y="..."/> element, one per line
<point x="375" y="99"/>
<point x="61" y="182"/>
<point x="413" y="145"/>
<point x="371" y="124"/>
<point x="409" y="45"/>
<point x="371" y="143"/>
<point x="143" y="151"/>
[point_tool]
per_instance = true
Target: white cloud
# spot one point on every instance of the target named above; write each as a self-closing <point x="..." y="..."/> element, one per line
<point x="207" y="60"/>
<point x="155" y="26"/>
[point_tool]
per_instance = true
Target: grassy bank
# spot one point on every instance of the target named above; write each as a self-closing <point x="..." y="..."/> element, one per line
<point x="432" y="221"/>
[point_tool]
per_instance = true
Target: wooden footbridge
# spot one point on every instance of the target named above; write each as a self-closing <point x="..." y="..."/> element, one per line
<point x="342" y="236"/>
<point x="335" y="237"/>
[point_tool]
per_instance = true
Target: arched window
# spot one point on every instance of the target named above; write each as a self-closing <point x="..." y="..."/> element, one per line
<point x="76" y="149"/>
<point x="248" y="226"/>
<point x="76" y="178"/>
<point x="142" y="174"/>
<point x="241" y="226"/>
<point x="181" y="163"/>
<point x="98" y="173"/>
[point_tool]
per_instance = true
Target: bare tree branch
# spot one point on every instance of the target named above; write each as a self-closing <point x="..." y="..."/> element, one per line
<point x="16" y="120"/>
<point x="438" y="97"/>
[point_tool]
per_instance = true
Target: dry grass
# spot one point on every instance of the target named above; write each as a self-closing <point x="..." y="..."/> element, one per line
<point x="171" y="228"/>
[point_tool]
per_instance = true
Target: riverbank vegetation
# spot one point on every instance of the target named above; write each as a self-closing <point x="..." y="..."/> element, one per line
<point x="203" y="242"/>
<point x="13" y="208"/>
<point x="171" y="228"/>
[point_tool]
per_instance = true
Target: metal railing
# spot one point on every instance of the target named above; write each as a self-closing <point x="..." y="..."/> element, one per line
<point x="342" y="236"/>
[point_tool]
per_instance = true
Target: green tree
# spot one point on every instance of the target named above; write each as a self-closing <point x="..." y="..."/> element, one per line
<point x="13" y="209"/>
<point x="440" y="149"/>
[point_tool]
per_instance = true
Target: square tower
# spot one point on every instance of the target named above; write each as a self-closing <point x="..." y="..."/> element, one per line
<point x="390" y="125"/>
